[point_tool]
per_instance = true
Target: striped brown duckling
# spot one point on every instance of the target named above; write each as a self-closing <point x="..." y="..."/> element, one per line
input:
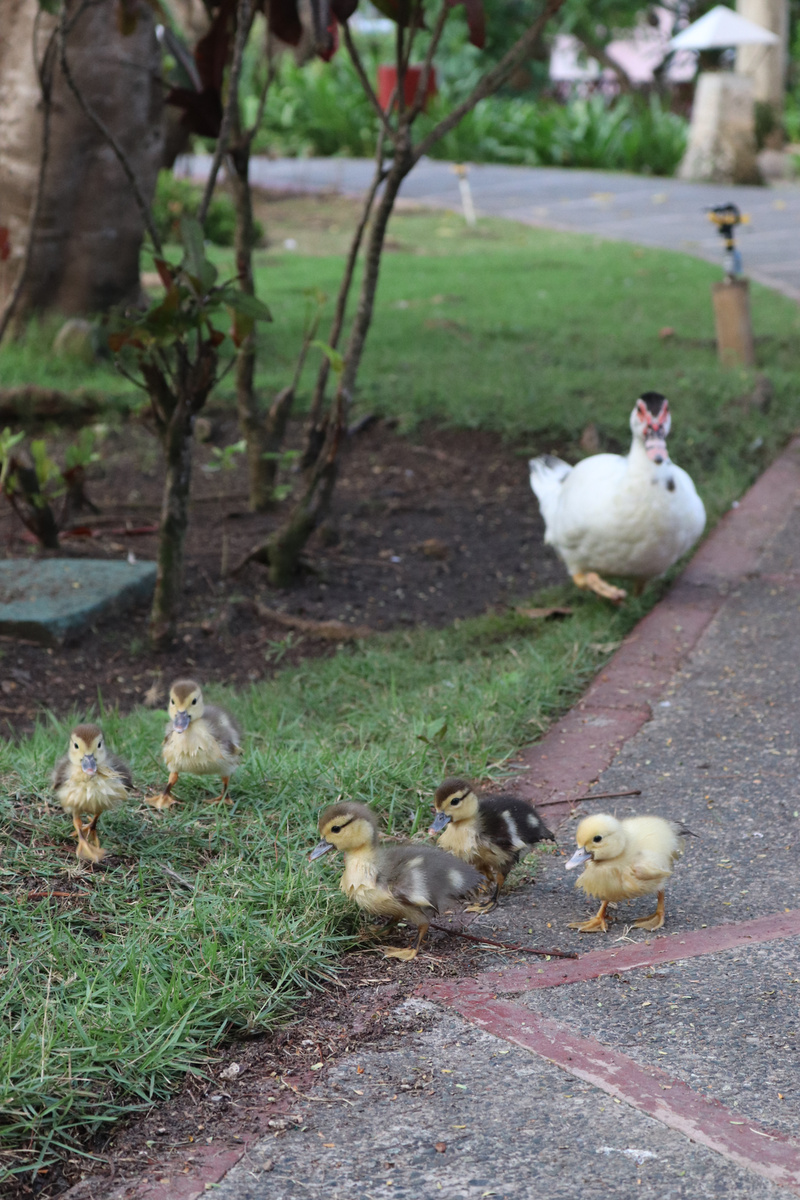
<point x="409" y="883"/>
<point x="89" y="781"/>
<point x="490" y="832"/>
<point x="201" y="739"/>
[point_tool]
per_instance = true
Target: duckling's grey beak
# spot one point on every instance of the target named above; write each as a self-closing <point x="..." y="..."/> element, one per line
<point x="89" y="764"/>
<point x="180" y="721"/>
<point x="321" y="848"/>
<point x="578" y="859"/>
<point x="439" y="822"/>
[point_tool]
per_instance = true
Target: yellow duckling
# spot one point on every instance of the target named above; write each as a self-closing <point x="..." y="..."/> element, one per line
<point x="201" y="739"/>
<point x="491" y="832"/>
<point x="90" y="780"/>
<point x="404" y="883"/>
<point x="626" y="859"/>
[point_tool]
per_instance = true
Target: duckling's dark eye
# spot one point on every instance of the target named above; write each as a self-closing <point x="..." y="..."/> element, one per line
<point x="336" y="829"/>
<point x="455" y="801"/>
<point x="598" y="837"/>
<point x="75" y="744"/>
<point x="195" y="700"/>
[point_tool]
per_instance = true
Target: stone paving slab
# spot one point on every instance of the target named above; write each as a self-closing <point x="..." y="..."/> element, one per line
<point x="665" y="213"/>
<point x="513" y="1126"/>
<point x="728" y="1024"/>
<point x="52" y="599"/>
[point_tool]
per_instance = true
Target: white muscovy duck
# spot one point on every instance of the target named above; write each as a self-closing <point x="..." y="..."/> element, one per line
<point x="613" y="515"/>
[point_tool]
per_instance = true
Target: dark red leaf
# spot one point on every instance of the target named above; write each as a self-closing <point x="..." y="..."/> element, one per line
<point x="476" y="20"/>
<point x="216" y="337"/>
<point x="284" y="21"/>
<point x="343" y="9"/>
<point x="116" y="341"/>
<point x="212" y="51"/>
<point x="5" y="244"/>
<point x="202" y="111"/>
<point x="332" y="33"/>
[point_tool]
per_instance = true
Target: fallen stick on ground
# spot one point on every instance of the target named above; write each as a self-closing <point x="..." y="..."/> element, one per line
<point x="505" y="945"/>
<point x="599" y="796"/>
<point x="332" y="631"/>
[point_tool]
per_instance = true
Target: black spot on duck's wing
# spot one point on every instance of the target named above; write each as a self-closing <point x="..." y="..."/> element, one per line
<point x="122" y="769"/>
<point x="223" y="727"/>
<point x="682" y="830"/>
<point x="60" y="772"/>
<point x="511" y="824"/>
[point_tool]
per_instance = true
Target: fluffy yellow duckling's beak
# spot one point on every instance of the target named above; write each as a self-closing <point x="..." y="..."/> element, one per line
<point x="185" y="703"/>
<point x="599" y="837"/>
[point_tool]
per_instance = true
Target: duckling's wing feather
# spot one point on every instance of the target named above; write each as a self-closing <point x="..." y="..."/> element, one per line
<point x="511" y="824"/>
<point x="121" y="767"/>
<point x="223" y="728"/>
<point x="426" y="877"/>
<point x="647" y="870"/>
<point x="60" y="772"/>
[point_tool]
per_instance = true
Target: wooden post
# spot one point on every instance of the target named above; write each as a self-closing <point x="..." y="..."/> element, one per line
<point x="734" y="326"/>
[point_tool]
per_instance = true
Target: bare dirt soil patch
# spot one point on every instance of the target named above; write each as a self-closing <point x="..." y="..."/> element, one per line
<point x="423" y="531"/>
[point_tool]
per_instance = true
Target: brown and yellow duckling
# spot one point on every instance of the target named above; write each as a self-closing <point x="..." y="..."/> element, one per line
<point x="404" y="882"/>
<point x="623" y="860"/>
<point x="89" y="780"/>
<point x="490" y="832"/>
<point x="201" y="739"/>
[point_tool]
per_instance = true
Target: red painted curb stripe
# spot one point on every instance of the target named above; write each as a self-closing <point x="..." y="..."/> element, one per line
<point x="648" y="1089"/>
<point x="597" y="963"/>
<point x="578" y="748"/>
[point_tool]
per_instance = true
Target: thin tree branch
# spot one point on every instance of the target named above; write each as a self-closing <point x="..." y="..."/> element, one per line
<point x="250" y="133"/>
<point x="369" y="91"/>
<point x="470" y="937"/>
<point x="598" y="52"/>
<point x="244" y="17"/>
<point x="400" y="66"/>
<point x="119" y="153"/>
<point x="45" y="74"/>
<point x="422" y="86"/>
<point x="492" y="80"/>
<point x="345" y="285"/>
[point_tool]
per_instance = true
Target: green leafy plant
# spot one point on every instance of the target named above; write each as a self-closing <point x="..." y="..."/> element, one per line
<point x="32" y="481"/>
<point x="176" y="198"/>
<point x="223" y="458"/>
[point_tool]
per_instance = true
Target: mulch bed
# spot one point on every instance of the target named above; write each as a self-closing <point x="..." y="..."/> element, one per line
<point x="423" y="531"/>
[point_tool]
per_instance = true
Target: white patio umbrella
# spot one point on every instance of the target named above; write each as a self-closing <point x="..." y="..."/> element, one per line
<point x="721" y="28"/>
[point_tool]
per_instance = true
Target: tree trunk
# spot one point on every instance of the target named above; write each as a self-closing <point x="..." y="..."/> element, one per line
<point x="174" y="521"/>
<point x="85" y="253"/>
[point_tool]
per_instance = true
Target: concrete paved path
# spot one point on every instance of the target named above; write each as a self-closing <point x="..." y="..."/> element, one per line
<point x="661" y="1065"/>
<point x="650" y="211"/>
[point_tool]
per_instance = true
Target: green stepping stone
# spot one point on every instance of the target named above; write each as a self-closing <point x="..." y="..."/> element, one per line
<point x="53" y="599"/>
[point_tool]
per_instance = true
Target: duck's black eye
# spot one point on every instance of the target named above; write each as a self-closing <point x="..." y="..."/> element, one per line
<point x="336" y="829"/>
<point x="75" y="744"/>
<point x="598" y="837"/>
<point x="456" y="800"/>
<point x="195" y="700"/>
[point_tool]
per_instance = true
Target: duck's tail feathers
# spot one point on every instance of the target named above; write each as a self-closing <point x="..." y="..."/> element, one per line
<point x="683" y="830"/>
<point x="547" y="473"/>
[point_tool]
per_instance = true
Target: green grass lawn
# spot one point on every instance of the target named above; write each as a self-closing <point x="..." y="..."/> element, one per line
<point x="107" y="999"/>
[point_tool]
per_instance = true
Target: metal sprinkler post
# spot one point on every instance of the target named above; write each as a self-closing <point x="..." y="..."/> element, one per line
<point x="731" y="298"/>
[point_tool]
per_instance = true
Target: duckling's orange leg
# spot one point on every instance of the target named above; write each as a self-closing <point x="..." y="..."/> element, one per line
<point x="657" y="919"/>
<point x="407" y="952"/>
<point x="597" y="924"/>
<point x="91" y="831"/>
<point x="223" y="797"/>
<point x="166" y="799"/>
<point x="84" y="849"/>
<point x="487" y="905"/>
<point x="592" y="581"/>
